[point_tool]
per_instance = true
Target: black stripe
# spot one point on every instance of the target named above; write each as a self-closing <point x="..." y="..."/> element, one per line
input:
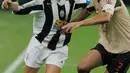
<point x="61" y="8"/>
<point x="67" y="38"/>
<point x="21" y="2"/>
<point x="52" y="44"/>
<point x="90" y="9"/>
<point x="48" y="22"/>
<point x="28" y="10"/>
<point x="68" y="35"/>
<point x="81" y="5"/>
<point x="71" y="9"/>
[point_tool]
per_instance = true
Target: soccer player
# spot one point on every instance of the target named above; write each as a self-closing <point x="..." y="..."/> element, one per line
<point x="113" y="48"/>
<point x="47" y="44"/>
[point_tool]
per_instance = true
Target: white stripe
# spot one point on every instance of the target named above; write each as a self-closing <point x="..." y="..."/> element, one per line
<point x="15" y="64"/>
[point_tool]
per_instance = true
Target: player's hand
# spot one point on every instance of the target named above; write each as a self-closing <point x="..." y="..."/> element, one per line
<point x="71" y="26"/>
<point x="14" y="5"/>
<point x="5" y="4"/>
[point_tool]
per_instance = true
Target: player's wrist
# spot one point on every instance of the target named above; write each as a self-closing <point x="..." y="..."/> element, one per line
<point x="80" y="23"/>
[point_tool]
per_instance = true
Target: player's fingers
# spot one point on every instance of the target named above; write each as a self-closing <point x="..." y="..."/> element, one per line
<point x="64" y="27"/>
<point x="4" y="4"/>
<point x="68" y="29"/>
<point x="72" y="30"/>
<point x="65" y="23"/>
<point x="62" y="31"/>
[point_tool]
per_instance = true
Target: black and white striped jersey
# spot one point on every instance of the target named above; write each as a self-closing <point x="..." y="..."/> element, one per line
<point x="47" y="13"/>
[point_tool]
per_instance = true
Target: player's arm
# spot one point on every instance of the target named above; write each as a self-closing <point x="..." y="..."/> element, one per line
<point x="85" y="11"/>
<point x="100" y="18"/>
<point x="32" y="6"/>
<point x="84" y="14"/>
<point x="105" y="16"/>
<point x="9" y="4"/>
<point x="75" y="23"/>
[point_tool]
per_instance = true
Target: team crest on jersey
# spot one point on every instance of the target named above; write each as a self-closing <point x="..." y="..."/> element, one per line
<point x="62" y="13"/>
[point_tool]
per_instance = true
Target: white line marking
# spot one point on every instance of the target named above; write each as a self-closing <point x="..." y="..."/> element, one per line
<point x="15" y="64"/>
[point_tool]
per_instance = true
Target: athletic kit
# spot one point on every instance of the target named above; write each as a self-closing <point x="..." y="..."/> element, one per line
<point x="114" y="42"/>
<point x="47" y="43"/>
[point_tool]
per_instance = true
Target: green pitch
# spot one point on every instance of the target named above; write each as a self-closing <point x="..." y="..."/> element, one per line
<point x="16" y="31"/>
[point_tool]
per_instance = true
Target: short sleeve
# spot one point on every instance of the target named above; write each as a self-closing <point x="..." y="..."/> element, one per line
<point x="108" y="6"/>
<point x="31" y="7"/>
<point x="32" y="3"/>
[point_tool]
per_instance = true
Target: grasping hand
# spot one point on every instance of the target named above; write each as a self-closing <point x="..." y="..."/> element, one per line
<point x="71" y="26"/>
<point x="5" y="4"/>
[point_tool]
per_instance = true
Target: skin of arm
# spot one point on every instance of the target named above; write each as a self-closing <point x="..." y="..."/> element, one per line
<point x="82" y="15"/>
<point x="99" y="18"/>
<point x="24" y="9"/>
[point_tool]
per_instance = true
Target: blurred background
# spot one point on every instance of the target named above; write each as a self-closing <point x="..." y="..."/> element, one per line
<point x="15" y="34"/>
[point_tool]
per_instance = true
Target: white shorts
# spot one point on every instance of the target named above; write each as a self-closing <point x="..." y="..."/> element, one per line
<point x="37" y="54"/>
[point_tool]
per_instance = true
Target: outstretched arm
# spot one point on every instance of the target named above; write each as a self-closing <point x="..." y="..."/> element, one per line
<point x="5" y="4"/>
<point x="32" y="6"/>
<point x="104" y="16"/>
<point x="101" y="18"/>
<point x="84" y="14"/>
<point x="85" y="11"/>
<point x="13" y="6"/>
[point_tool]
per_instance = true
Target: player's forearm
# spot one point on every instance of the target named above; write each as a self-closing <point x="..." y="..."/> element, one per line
<point x="82" y="15"/>
<point x="100" y="18"/>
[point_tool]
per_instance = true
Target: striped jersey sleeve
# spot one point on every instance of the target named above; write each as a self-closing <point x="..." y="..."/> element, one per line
<point x="30" y="7"/>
